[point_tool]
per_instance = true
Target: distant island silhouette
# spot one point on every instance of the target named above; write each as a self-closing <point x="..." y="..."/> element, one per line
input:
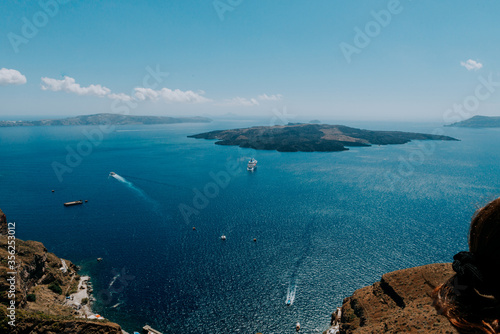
<point x="301" y="137"/>
<point x="479" y="122"/>
<point x="107" y="119"/>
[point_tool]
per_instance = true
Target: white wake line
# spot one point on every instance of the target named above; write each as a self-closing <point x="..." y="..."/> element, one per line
<point x="290" y="296"/>
<point x="130" y="185"/>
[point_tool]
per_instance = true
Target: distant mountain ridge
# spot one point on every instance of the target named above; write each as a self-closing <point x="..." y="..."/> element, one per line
<point x="303" y="137"/>
<point x="479" y="122"/>
<point x="107" y="119"/>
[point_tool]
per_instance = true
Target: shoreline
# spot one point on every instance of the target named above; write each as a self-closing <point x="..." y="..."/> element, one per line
<point x="76" y="300"/>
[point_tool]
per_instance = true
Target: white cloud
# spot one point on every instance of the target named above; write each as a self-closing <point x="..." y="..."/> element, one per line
<point x="11" y="77"/>
<point x="69" y="85"/>
<point x="471" y="65"/>
<point x="240" y="101"/>
<point x="274" y="97"/>
<point x="249" y="102"/>
<point x="120" y="96"/>
<point x="169" y="95"/>
<point x="146" y="94"/>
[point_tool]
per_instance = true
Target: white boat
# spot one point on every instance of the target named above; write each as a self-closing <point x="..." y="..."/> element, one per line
<point x="112" y="173"/>
<point x="297" y="326"/>
<point x="252" y="165"/>
<point x="223" y="237"/>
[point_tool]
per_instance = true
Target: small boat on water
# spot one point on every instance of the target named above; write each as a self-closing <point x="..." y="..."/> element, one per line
<point x="297" y="326"/>
<point x="112" y="173"/>
<point x="288" y="302"/>
<point x="223" y="237"/>
<point x="73" y="203"/>
<point x="252" y="165"/>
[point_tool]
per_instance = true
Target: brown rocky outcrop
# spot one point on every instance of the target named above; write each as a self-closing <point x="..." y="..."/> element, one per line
<point x="3" y="223"/>
<point x="400" y="303"/>
<point x="30" y="326"/>
<point x="42" y="282"/>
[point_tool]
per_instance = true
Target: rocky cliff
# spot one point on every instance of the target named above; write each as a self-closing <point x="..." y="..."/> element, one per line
<point x="3" y="223"/>
<point x="399" y="303"/>
<point x="39" y="288"/>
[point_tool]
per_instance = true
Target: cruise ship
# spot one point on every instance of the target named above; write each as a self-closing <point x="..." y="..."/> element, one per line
<point x="252" y="165"/>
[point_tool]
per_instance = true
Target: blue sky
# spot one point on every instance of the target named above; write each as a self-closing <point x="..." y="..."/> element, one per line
<point x="418" y="61"/>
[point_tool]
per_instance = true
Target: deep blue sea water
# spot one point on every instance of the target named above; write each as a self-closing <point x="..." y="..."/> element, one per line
<point x="326" y="224"/>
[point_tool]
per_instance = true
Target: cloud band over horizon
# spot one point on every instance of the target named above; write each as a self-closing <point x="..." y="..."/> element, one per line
<point x="69" y="85"/>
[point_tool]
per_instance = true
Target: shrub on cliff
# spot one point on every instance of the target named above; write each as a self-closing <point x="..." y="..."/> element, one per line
<point x="54" y="286"/>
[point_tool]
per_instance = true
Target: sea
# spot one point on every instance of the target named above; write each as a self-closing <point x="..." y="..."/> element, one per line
<point x="306" y="227"/>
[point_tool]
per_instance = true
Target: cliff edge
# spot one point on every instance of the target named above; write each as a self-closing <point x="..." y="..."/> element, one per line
<point x="33" y="288"/>
<point x="3" y="223"/>
<point x="400" y="302"/>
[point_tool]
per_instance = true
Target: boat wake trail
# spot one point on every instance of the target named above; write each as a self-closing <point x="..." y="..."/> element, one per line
<point x="130" y="185"/>
<point x="156" y="205"/>
<point x="304" y="253"/>
<point x="157" y="182"/>
<point x="113" y="280"/>
<point x="290" y="296"/>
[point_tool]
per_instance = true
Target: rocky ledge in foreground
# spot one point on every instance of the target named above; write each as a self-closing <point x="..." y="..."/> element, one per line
<point x="107" y="119"/>
<point x="311" y="137"/>
<point x="39" y="289"/>
<point x="400" y="303"/>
